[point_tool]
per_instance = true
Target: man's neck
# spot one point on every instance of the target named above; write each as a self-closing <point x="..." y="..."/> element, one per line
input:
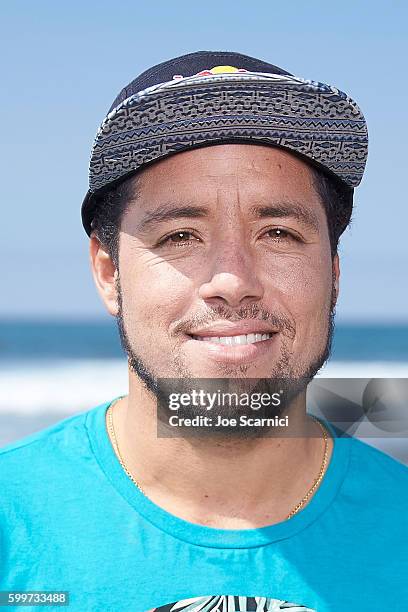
<point x="228" y="483"/>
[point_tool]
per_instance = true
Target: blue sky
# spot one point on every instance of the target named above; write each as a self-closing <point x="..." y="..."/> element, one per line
<point x="65" y="63"/>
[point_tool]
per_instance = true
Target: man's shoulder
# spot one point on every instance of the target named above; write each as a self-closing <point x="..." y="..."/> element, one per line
<point x="379" y="460"/>
<point x="33" y="455"/>
<point x="376" y="476"/>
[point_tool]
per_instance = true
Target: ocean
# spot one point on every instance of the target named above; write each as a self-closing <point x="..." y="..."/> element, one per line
<point x="53" y="369"/>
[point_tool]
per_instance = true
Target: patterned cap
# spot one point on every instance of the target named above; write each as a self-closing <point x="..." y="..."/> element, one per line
<point x="209" y="98"/>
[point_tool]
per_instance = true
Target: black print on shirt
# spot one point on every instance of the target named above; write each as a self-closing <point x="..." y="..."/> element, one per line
<point x="232" y="603"/>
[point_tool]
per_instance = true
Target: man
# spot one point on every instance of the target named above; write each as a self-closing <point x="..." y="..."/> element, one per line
<point x="219" y="187"/>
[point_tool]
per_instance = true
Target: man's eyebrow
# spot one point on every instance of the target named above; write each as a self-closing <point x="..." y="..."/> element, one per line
<point x="168" y="212"/>
<point x="287" y="209"/>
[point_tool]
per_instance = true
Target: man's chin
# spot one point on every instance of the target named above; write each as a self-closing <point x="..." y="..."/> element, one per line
<point x="197" y="359"/>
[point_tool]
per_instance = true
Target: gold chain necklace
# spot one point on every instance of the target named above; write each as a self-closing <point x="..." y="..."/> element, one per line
<point x="295" y="509"/>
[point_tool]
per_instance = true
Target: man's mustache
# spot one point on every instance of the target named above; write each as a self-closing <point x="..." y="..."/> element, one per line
<point x="253" y="312"/>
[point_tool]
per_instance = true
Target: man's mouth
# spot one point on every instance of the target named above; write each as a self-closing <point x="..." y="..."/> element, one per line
<point x="236" y="343"/>
<point x="237" y="340"/>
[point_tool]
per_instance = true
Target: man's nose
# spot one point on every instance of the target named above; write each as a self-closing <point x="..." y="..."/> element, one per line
<point x="232" y="276"/>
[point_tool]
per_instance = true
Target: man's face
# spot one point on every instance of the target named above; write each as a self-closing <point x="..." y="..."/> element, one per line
<point x="224" y="241"/>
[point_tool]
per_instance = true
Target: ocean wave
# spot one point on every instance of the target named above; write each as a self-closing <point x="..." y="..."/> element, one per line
<point x="71" y="386"/>
<point x="64" y="386"/>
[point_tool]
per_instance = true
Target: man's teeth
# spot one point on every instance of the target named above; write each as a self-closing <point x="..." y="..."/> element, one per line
<point x="233" y="340"/>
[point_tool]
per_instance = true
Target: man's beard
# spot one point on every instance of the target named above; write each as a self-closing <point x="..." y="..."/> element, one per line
<point x="284" y="378"/>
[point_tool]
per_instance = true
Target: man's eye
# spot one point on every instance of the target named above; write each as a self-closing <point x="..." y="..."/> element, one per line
<point x="278" y="233"/>
<point x="178" y="238"/>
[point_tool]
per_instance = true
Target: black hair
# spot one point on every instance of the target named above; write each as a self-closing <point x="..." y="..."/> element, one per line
<point x="112" y="203"/>
<point x="110" y="206"/>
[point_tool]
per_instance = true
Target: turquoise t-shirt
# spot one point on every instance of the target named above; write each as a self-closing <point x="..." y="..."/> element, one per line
<point x="72" y="520"/>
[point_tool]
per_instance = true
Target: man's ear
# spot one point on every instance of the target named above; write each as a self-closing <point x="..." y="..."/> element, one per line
<point x="336" y="278"/>
<point x="104" y="273"/>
